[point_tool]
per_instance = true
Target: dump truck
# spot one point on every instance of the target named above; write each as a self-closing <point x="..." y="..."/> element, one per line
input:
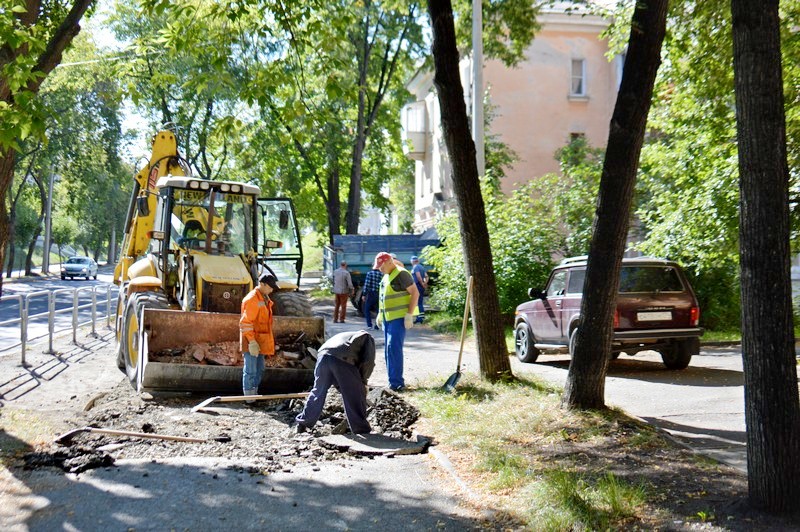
<point x="192" y="249"/>
<point x="359" y="252"/>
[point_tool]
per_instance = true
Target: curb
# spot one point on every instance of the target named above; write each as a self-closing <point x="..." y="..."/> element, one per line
<point x="450" y="468"/>
<point x="726" y="343"/>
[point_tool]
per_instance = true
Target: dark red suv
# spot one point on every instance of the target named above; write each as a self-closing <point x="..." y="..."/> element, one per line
<point x="656" y="310"/>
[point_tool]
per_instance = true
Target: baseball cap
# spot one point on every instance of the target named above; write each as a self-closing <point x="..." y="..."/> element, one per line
<point x="268" y="279"/>
<point x="380" y="259"/>
<point x="414" y="258"/>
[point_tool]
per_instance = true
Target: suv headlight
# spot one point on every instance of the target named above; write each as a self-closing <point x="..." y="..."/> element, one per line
<point x="63" y="268"/>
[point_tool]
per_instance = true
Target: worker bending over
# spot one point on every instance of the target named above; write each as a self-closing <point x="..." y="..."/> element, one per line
<point x="345" y="361"/>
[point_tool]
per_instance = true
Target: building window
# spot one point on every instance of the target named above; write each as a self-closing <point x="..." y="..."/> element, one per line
<point x="578" y="81"/>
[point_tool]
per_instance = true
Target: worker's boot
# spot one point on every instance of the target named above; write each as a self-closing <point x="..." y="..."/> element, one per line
<point x="250" y="392"/>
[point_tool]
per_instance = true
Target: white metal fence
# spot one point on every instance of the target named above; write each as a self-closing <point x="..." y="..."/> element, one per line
<point x="99" y="300"/>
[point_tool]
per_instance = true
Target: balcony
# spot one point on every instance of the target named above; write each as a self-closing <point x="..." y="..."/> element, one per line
<point x="414" y="132"/>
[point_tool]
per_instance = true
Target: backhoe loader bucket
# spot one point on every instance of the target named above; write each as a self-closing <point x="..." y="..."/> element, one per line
<point x="171" y="331"/>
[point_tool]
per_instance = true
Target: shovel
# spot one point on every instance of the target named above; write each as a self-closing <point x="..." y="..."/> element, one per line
<point x="450" y="385"/>
<point x="67" y="437"/>
<point x="239" y="398"/>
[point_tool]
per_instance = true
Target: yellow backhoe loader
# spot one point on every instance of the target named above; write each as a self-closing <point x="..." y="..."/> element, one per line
<point x="192" y="250"/>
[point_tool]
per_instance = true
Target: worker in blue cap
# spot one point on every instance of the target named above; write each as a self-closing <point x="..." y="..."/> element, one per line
<point x="420" y="277"/>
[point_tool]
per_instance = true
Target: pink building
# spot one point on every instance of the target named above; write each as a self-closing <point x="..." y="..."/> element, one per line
<point x="565" y="87"/>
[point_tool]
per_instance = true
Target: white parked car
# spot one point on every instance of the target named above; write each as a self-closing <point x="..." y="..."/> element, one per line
<point x="79" y="267"/>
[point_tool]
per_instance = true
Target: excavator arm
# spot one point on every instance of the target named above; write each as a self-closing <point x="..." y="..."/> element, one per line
<point x="139" y="221"/>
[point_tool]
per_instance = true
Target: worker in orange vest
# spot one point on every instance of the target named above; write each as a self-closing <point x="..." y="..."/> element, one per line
<point x="255" y="325"/>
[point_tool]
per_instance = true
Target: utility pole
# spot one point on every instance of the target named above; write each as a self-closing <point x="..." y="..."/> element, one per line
<point x="477" y="85"/>
<point x="47" y="225"/>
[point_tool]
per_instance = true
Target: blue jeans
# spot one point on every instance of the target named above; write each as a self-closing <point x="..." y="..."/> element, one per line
<point x="394" y="333"/>
<point x="330" y="371"/>
<point x="252" y="372"/>
<point x="370" y="302"/>
<point x="420" y="306"/>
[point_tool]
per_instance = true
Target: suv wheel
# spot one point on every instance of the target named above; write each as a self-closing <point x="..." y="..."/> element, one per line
<point x="680" y="353"/>
<point x="573" y="339"/>
<point x="524" y="344"/>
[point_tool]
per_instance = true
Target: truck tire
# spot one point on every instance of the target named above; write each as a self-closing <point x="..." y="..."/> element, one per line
<point x="129" y="344"/>
<point x="291" y="304"/>
<point x="356" y="301"/>
<point x="680" y="353"/>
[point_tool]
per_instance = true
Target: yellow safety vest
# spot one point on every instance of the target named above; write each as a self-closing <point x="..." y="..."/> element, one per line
<point x="394" y="304"/>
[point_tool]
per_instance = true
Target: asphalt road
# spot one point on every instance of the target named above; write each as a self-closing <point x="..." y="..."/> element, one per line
<point x="35" y="290"/>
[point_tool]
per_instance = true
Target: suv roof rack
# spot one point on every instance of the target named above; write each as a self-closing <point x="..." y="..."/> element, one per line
<point x="585" y="258"/>
<point x="570" y="260"/>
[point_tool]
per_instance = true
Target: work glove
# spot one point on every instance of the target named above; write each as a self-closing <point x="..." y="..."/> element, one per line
<point x="253" y="348"/>
<point x="408" y="320"/>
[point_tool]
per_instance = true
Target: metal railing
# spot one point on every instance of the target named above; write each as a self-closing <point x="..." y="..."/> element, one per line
<point x="82" y="299"/>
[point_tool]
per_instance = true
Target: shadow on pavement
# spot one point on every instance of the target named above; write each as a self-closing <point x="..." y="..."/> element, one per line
<point x="20" y="380"/>
<point x="205" y="495"/>
<point x="711" y="437"/>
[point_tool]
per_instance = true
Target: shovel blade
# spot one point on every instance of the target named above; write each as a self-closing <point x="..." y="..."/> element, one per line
<point x="450" y="385"/>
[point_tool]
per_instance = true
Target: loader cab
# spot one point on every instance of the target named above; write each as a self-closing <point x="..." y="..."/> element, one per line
<point x="200" y="217"/>
<point x="196" y="215"/>
<point x="278" y="238"/>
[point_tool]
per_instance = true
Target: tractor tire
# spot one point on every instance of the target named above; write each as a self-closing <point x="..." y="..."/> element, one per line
<point x="119" y="326"/>
<point x="129" y="345"/>
<point x="291" y="304"/>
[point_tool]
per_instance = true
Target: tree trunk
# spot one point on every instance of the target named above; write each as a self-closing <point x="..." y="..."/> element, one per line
<point x="45" y="63"/>
<point x="492" y="350"/>
<point x="333" y="206"/>
<point x="585" y="387"/>
<point x="38" y="231"/>
<point x="7" y="159"/>
<point x="353" y="215"/>
<point x="772" y="409"/>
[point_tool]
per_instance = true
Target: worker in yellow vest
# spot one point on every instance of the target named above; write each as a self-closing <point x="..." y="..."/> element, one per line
<point x="397" y="306"/>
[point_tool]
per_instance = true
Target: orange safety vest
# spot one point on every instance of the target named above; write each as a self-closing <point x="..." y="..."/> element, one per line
<point x="256" y="323"/>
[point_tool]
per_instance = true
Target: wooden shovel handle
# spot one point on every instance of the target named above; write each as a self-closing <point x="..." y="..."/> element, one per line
<point x="235" y="398"/>
<point x="143" y="435"/>
<point x="464" y="323"/>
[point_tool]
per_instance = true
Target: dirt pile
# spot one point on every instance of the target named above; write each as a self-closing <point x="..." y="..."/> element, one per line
<point x="258" y="434"/>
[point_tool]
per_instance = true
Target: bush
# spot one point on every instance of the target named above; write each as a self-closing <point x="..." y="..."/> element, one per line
<point x="522" y="236"/>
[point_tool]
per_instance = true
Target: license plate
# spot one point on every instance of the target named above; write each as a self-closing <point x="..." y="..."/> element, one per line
<point x="653" y="316"/>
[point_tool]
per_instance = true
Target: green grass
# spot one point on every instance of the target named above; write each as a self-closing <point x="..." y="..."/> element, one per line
<point x="567" y="500"/>
<point x="445" y="323"/>
<point x="312" y="252"/>
<point x="504" y="427"/>
<point x="733" y="335"/>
